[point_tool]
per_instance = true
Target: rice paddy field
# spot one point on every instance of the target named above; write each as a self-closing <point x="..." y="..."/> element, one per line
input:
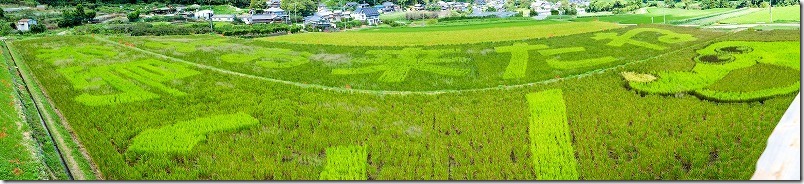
<point x="561" y="101"/>
<point x="657" y="15"/>
<point x="786" y="14"/>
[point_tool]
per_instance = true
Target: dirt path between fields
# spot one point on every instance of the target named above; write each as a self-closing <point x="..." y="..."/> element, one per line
<point x="66" y="151"/>
<point x="383" y="92"/>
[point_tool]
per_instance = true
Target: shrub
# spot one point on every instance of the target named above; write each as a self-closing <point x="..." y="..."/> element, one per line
<point x="133" y="16"/>
<point x="38" y="28"/>
<point x="394" y="24"/>
<point x="417" y="15"/>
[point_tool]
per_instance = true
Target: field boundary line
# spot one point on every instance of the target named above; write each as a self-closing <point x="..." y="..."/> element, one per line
<point x="56" y="142"/>
<point x="67" y="152"/>
<point x="385" y="92"/>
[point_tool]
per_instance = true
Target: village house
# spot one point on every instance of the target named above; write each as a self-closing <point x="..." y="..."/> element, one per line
<point x="274" y="3"/>
<point x="318" y="22"/>
<point x="203" y="14"/>
<point x="163" y="11"/>
<point x="369" y="15"/>
<point x="418" y="7"/>
<point x="223" y="18"/>
<point x="271" y="15"/>
<point x="25" y="24"/>
<point x="389" y="7"/>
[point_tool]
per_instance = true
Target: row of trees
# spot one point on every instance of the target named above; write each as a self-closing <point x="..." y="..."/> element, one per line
<point x="617" y="6"/>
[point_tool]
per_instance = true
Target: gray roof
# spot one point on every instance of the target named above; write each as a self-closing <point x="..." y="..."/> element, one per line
<point x="223" y="16"/>
<point x="262" y="16"/>
<point x="313" y="18"/>
<point x="275" y="10"/>
<point x="368" y="11"/>
<point x="388" y="3"/>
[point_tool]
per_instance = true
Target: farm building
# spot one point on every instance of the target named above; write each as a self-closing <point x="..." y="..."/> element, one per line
<point x="389" y="7"/>
<point x="223" y="18"/>
<point x="318" y="22"/>
<point x="352" y="4"/>
<point x="163" y="11"/>
<point x="25" y="24"/>
<point x="418" y="7"/>
<point x="203" y="14"/>
<point x="370" y="15"/>
<point x="270" y="16"/>
<point x="274" y="3"/>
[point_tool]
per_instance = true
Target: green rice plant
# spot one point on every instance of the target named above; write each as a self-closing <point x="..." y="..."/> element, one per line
<point x="130" y="92"/>
<point x="742" y="54"/>
<point x="271" y="58"/>
<point x="565" y="65"/>
<point x="550" y="137"/>
<point x="396" y="69"/>
<point x="620" y="40"/>
<point x="180" y="138"/>
<point x="345" y="163"/>
<point x="732" y="96"/>
<point x="178" y="46"/>
<point x="786" y="14"/>
<point x="472" y="131"/>
<point x="518" y="65"/>
<point x="149" y="72"/>
<point x="446" y="35"/>
<point x="185" y="47"/>
<point x="78" y="54"/>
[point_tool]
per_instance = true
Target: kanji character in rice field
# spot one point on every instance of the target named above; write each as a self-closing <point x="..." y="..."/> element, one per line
<point x="518" y="65"/>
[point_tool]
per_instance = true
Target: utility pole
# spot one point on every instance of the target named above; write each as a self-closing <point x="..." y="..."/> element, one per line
<point x="211" y="26"/>
<point x="770" y="10"/>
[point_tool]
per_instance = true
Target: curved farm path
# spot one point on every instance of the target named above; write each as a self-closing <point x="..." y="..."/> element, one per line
<point x="386" y="92"/>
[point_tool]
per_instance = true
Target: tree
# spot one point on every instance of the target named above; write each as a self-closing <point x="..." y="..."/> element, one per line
<point x="670" y="3"/>
<point x="38" y="28"/>
<point x="133" y="16"/>
<point x="256" y="4"/>
<point x="303" y="7"/>
<point x="568" y="8"/>
<point x="75" y="17"/>
<point x="89" y="15"/>
<point x="5" y="28"/>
